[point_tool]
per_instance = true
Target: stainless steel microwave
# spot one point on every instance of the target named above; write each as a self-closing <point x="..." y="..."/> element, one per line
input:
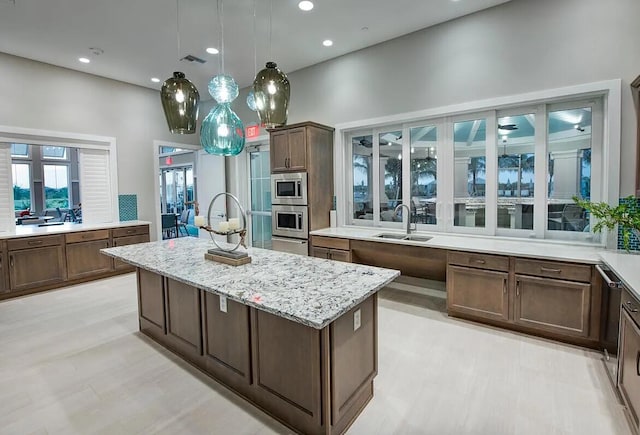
<point x="289" y="221"/>
<point x="290" y="189"/>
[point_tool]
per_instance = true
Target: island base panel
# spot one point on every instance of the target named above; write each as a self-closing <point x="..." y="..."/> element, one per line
<point x="314" y="381"/>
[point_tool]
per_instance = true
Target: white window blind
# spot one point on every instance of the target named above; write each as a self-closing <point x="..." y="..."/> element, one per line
<point x="7" y="215"/>
<point x="95" y="186"/>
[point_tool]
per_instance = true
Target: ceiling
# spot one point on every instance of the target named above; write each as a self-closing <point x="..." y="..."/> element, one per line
<point x="139" y="38"/>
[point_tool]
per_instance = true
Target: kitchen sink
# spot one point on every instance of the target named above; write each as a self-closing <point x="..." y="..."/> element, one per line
<point x="409" y="237"/>
<point x="391" y="236"/>
<point x="417" y="238"/>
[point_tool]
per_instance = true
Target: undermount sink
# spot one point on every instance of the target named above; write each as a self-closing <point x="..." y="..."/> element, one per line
<point x="391" y="236"/>
<point x="409" y="237"/>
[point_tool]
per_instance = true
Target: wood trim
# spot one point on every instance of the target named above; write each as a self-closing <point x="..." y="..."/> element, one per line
<point x="301" y="124"/>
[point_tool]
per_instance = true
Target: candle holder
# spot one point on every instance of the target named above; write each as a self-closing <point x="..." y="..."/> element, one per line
<point x="225" y="255"/>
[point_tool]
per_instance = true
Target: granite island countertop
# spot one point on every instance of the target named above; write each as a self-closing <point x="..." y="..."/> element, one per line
<point x="307" y="290"/>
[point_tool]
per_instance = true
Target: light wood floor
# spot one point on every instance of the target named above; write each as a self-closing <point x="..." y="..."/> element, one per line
<point x="72" y="361"/>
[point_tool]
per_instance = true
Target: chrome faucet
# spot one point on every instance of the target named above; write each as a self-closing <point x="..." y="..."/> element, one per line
<point x="395" y="212"/>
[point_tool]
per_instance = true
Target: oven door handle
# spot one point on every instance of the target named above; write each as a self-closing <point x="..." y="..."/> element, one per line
<point x="609" y="281"/>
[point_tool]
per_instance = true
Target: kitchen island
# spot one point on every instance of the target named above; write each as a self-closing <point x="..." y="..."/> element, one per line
<point x="294" y="335"/>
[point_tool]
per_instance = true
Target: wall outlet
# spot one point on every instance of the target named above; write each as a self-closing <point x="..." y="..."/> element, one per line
<point x="223" y="304"/>
<point x="357" y="319"/>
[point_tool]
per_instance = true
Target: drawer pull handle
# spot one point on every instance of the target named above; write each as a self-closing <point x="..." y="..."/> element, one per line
<point x="479" y="261"/>
<point x="131" y="231"/>
<point x="504" y="286"/>
<point x="10" y="260"/>
<point x="547" y="269"/>
<point x="517" y="288"/>
<point x="34" y="242"/>
<point x="638" y="363"/>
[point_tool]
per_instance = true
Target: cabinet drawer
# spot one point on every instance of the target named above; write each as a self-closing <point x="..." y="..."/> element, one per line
<point x="632" y="304"/>
<point x="330" y="242"/>
<point x="554" y="269"/>
<point x="130" y="231"/>
<point x="480" y="261"/>
<point x="86" y="236"/>
<point x="34" y="242"/>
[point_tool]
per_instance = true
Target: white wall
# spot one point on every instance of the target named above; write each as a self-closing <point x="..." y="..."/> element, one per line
<point x="41" y="96"/>
<point x="517" y="47"/>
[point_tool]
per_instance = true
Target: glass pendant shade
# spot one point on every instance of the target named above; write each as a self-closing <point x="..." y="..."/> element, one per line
<point x="180" y="100"/>
<point x="251" y="101"/>
<point x="271" y="92"/>
<point x="222" y="131"/>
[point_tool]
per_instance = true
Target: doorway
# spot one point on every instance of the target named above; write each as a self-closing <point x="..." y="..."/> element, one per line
<point x="259" y="210"/>
<point x="177" y="189"/>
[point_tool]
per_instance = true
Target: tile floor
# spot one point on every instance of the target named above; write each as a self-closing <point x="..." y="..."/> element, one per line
<point x="72" y="362"/>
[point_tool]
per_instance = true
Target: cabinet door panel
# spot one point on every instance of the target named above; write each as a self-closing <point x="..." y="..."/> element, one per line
<point x="480" y="293"/>
<point x="339" y="255"/>
<point x="151" y="302"/>
<point x="319" y="252"/>
<point x="36" y="267"/>
<point x="124" y="241"/>
<point x="553" y="305"/>
<point x="3" y="274"/>
<point x="629" y="382"/>
<point x="297" y="149"/>
<point x="183" y="316"/>
<point x="85" y="259"/>
<point x="279" y="146"/>
<point x="226" y="337"/>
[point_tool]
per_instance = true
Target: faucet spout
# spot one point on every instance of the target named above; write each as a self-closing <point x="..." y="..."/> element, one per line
<point x="398" y="208"/>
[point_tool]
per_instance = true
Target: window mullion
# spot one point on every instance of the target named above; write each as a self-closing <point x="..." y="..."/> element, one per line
<point x="376" y="177"/>
<point x="540" y="209"/>
<point x="491" y="189"/>
<point x="406" y="172"/>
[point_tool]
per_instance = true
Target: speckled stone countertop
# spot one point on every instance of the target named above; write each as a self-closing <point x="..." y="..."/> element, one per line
<point x="307" y="290"/>
<point x="626" y="266"/>
<point x="67" y="227"/>
<point x="547" y="249"/>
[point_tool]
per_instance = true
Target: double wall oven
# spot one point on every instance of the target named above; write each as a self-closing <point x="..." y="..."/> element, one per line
<point x="289" y="216"/>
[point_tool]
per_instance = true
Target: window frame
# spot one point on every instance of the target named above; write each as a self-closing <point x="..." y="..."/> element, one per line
<point x="605" y="142"/>
<point x="44" y="187"/>
<point x="29" y="163"/>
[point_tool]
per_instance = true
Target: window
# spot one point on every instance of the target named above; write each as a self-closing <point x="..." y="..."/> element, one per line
<point x="478" y="172"/>
<point x="21" y="174"/>
<point x="56" y="186"/>
<point x="54" y="153"/>
<point x="19" y="151"/>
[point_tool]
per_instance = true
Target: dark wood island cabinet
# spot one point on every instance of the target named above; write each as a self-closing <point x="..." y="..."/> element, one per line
<point x="307" y="363"/>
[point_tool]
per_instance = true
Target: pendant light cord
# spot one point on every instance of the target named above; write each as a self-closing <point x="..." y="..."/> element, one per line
<point x="270" y="26"/>
<point x="220" y="22"/>
<point x="178" y="26"/>
<point x="255" y="50"/>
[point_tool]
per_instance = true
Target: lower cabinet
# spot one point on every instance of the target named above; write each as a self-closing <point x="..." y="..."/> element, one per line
<point x="553" y="305"/>
<point x="331" y="248"/>
<point x="36" y="262"/>
<point x="4" y="287"/>
<point x="481" y="293"/>
<point x="151" y="303"/>
<point x="83" y="254"/>
<point x="629" y="369"/>
<point x="183" y="318"/>
<point x="523" y="293"/>
<point x="128" y="236"/>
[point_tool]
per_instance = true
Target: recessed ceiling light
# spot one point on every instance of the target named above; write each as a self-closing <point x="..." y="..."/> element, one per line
<point x="212" y="50"/>
<point x="305" y="5"/>
<point x="155" y="79"/>
<point x="327" y="42"/>
<point x="84" y="60"/>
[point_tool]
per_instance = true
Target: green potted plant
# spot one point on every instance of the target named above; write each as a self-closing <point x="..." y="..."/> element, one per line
<point x="626" y="215"/>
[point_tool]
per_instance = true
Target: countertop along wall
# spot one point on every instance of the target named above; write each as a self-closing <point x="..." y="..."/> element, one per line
<point x="41" y="96"/>
<point x="517" y="47"/>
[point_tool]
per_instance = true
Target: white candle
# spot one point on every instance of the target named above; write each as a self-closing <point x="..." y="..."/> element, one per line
<point x="199" y="221"/>
<point x="223" y="226"/>
<point x="234" y="223"/>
